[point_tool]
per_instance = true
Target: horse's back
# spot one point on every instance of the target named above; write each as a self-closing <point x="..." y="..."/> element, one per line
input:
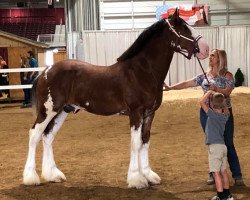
<point x="72" y="64"/>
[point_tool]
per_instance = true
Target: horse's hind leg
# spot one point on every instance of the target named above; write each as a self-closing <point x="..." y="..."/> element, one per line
<point x="151" y="176"/>
<point x="30" y="176"/>
<point x="49" y="170"/>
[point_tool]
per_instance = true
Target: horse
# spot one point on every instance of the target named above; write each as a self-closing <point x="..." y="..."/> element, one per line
<point x="133" y="86"/>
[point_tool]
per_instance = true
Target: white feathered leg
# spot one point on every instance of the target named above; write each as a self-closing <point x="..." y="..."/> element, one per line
<point x="30" y="176"/>
<point x="49" y="170"/>
<point x="135" y="178"/>
<point x="151" y="176"/>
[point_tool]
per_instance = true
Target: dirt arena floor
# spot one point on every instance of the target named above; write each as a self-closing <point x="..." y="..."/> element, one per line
<point x="93" y="152"/>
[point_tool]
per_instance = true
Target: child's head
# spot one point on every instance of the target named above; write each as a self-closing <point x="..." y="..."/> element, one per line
<point x="218" y="100"/>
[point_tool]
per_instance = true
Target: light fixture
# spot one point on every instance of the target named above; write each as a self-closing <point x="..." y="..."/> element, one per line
<point x="55" y="50"/>
<point x="49" y="58"/>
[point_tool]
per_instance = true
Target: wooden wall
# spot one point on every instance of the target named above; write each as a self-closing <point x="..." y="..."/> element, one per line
<point x="14" y="54"/>
<point x="17" y="48"/>
<point x="60" y="56"/>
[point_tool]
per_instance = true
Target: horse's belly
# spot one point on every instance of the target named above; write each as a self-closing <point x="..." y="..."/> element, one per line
<point x="103" y="107"/>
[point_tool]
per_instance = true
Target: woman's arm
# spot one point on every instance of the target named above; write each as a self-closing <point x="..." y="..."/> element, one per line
<point x="226" y="91"/>
<point x="183" y="85"/>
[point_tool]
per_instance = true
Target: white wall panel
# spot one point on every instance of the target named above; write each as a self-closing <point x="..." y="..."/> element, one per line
<point x="142" y="7"/>
<point x="221" y="12"/>
<point x="217" y="19"/>
<point x="116" y="7"/>
<point x="104" y="47"/>
<point x="116" y="24"/>
<point x="239" y="18"/>
<point x="233" y="40"/>
<point x="124" y="14"/>
<point x="239" y="4"/>
<point x="140" y="23"/>
<point x="107" y="46"/>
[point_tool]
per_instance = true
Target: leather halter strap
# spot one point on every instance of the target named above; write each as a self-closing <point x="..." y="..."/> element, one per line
<point x="176" y="46"/>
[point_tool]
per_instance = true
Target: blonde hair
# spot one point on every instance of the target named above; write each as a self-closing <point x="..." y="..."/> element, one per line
<point x="222" y="55"/>
<point x="218" y="100"/>
<point x="25" y="61"/>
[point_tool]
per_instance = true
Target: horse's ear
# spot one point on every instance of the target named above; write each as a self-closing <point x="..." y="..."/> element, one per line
<point x="175" y="15"/>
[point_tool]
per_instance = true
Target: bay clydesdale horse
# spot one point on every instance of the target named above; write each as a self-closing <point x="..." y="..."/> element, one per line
<point x="131" y="86"/>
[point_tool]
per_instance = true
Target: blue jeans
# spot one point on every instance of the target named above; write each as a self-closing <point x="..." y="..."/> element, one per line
<point x="27" y="92"/>
<point x="232" y="157"/>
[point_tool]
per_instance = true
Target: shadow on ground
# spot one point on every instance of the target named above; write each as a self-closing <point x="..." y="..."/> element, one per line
<point x="56" y="191"/>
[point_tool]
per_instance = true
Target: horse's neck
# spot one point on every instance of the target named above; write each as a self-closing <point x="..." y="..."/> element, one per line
<point x="161" y="69"/>
<point x="158" y="58"/>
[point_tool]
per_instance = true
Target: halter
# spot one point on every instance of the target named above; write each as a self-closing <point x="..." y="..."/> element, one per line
<point x="176" y="46"/>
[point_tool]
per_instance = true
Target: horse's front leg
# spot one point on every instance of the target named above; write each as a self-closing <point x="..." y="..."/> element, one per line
<point x="151" y="176"/>
<point x="50" y="172"/>
<point x="135" y="178"/>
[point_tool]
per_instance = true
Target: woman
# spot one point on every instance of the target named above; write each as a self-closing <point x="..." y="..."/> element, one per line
<point x="219" y="80"/>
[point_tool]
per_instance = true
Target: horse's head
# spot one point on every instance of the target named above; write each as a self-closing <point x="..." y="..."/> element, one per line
<point x="185" y="39"/>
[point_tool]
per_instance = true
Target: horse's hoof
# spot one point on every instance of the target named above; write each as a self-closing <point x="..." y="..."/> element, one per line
<point x="31" y="178"/>
<point x="137" y="181"/>
<point x="53" y="175"/>
<point x="152" y="178"/>
<point x="58" y="180"/>
<point x="60" y="177"/>
<point x="138" y="184"/>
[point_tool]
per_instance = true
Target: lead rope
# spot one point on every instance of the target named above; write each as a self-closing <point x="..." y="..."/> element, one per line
<point x="203" y="70"/>
<point x="205" y="77"/>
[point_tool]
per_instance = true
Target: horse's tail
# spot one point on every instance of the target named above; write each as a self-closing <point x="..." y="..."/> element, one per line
<point x="34" y="104"/>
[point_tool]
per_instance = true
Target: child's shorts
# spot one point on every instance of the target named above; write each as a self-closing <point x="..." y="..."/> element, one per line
<point x="217" y="157"/>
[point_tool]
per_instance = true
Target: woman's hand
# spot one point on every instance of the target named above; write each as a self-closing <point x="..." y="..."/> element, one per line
<point x="213" y="88"/>
<point x="166" y="87"/>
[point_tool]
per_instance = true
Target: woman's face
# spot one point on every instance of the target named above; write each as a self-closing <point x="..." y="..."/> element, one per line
<point x="213" y="58"/>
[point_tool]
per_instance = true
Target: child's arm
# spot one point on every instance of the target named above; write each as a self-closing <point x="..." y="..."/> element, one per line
<point x="226" y="110"/>
<point x="204" y="99"/>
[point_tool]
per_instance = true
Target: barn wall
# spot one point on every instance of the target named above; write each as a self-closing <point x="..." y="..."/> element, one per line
<point x="60" y="56"/>
<point x="15" y="49"/>
<point x="14" y="54"/>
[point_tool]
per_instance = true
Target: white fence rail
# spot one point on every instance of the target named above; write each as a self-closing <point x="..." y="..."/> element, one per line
<point x="18" y="70"/>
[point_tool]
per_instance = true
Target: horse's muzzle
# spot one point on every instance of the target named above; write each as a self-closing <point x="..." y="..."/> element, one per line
<point x="201" y="49"/>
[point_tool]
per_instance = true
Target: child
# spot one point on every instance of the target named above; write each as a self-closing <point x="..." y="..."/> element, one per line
<point x="217" y="150"/>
